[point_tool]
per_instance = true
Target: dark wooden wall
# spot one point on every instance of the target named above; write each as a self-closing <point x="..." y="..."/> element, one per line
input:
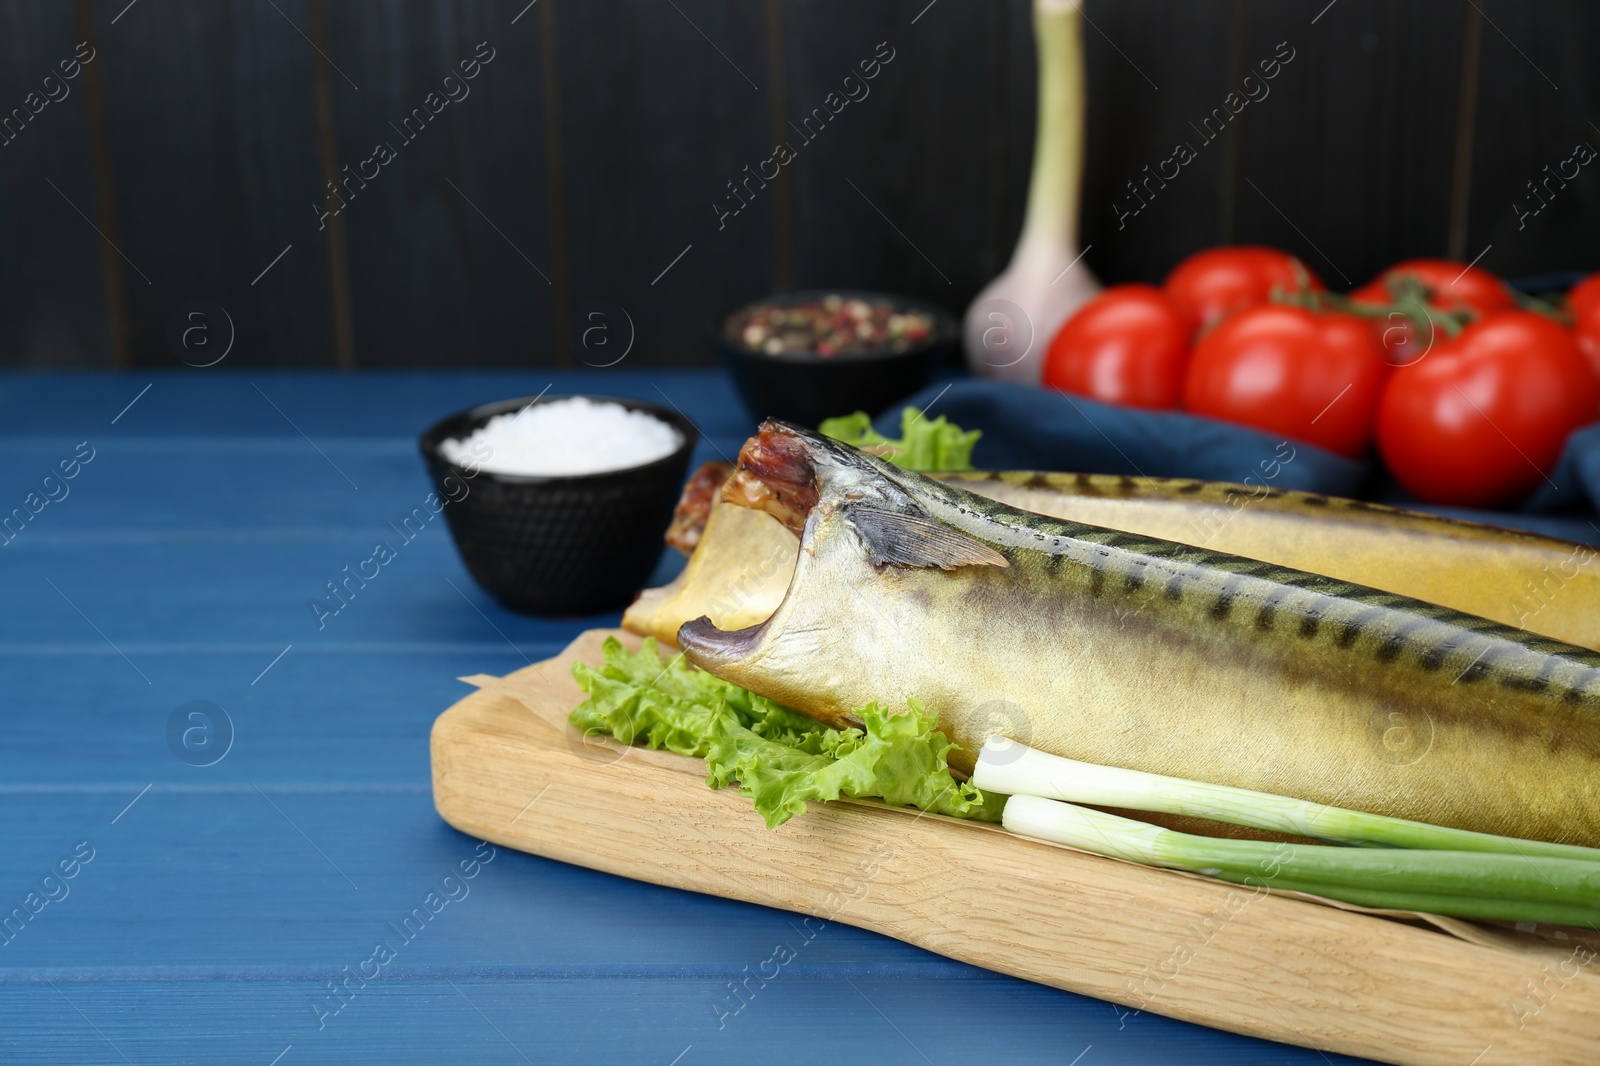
<point x="192" y="152"/>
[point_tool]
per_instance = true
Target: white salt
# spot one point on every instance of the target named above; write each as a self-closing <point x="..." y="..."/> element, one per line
<point x="564" y="438"/>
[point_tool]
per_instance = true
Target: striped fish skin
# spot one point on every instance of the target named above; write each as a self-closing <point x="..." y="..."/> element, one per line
<point x="1138" y="652"/>
<point x="1529" y="581"/>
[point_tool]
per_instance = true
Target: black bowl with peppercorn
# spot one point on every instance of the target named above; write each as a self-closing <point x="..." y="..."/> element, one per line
<point x="807" y="356"/>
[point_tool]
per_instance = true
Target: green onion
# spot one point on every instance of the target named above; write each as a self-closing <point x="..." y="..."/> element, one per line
<point x="1014" y="769"/>
<point x="1481" y="908"/>
<point x="1465" y="884"/>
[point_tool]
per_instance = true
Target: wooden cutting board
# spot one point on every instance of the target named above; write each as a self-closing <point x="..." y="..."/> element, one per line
<point x="509" y="769"/>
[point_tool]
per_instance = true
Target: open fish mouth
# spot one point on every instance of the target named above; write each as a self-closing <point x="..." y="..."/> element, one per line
<point x="777" y="474"/>
<point x="807" y="482"/>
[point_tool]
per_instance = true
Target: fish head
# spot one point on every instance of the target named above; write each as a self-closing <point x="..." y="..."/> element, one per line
<point x="858" y="519"/>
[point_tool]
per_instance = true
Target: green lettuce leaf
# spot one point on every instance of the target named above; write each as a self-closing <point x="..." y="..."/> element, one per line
<point x="924" y="444"/>
<point x="779" y="758"/>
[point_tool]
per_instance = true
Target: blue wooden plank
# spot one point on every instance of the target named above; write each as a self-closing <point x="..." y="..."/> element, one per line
<point x="627" y="1019"/>
<point x="317" y="717"/>
<point x="196" y="594"/>
<point x="240" y="488"/>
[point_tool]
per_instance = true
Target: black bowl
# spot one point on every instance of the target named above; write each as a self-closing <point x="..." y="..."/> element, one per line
<point x="558" y="545"/>
<point x="805" y="387"/>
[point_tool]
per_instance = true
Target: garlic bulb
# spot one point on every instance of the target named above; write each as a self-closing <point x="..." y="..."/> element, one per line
<point x="1011" y="323"/>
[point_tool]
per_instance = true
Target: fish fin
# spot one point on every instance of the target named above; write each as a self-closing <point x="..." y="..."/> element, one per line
<point x="894" y="539"/>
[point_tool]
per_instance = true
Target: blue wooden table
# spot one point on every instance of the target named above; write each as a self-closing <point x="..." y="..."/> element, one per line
<point x="218" y="897"/>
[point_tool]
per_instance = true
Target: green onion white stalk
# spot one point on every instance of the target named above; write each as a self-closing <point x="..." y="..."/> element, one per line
<point x="1014" y="769"/>
<point x="1463" y="884"/>
<point x="1038" y="283"/>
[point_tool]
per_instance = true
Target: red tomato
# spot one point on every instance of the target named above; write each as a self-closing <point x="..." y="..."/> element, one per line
<point x="1314" y="377"/>
<point x="1483" y="418"/>
<point x="1128" y="345"/>
<point x="1584" y="303"/>
<point x="1585" y="294"/>
<point x="1219" y="281"/>
<point x="1451" y="286"/>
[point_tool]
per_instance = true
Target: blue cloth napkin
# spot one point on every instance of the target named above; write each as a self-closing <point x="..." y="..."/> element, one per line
<point x="1037" y="429"/>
